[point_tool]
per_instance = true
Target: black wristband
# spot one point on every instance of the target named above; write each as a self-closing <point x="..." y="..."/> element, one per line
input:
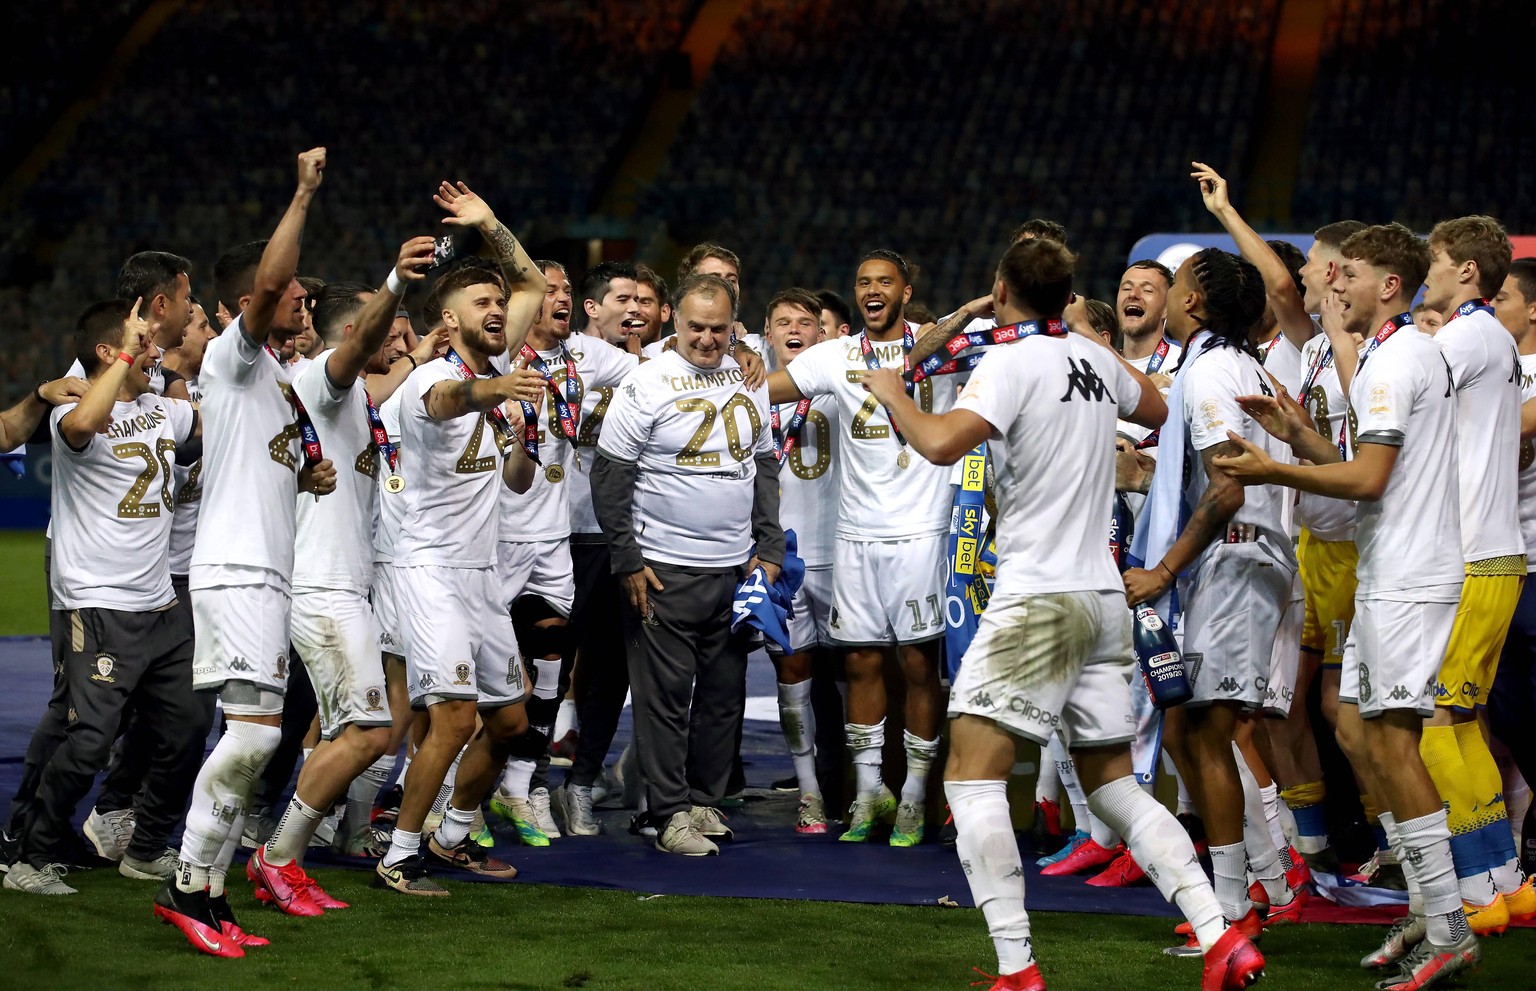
<point x="412" y="359"/>
<point x="37" y="394"/>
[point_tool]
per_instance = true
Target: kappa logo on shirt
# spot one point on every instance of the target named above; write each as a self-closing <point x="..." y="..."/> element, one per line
<point x="1399" y="693"/>
<point x="1083" y="380"/>
<point x="1229" y="684"/>
<point x="427" y="682"/>
<point x="242" y="666"/>
<point x="982" y="700"/>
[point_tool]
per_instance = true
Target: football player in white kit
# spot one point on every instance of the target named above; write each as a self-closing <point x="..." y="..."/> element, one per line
<point x="1402" y="416"/>
<point x="888" y="570"/>
<point x="1052" y="654"/>
<point x="243" y="559"/>
<point x="804" y="438"/>
<point x="460" y="651"/>
<point x="1235" y="561"/>
<point x="332" y="625"/>
<point x="533" y="552"/>
<point x="1471" y="256"/>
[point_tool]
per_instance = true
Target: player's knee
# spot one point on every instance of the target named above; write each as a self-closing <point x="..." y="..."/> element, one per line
<point x="452" y="721"/>
<point x="370" y="742"/>
<point x="541" y="630"/>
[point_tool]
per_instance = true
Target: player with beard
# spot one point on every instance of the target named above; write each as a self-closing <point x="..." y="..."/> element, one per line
<point x="655" y="304"/>
<point x="1230" y="559"/>
<point x="243" y="561"/>
<point x="888" y="558"/>
<point x="461" y="653"/>
<point x="534" y="555"/>
<point x="1471" y="256"/>
<point x="332" y="625"/>
<point x="1402" y="416"/>
<point x="804" y="440"/>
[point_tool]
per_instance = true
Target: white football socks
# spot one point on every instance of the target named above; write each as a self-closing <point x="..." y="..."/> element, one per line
<point x="798" y="725"/>
<point x="989" y="854"/>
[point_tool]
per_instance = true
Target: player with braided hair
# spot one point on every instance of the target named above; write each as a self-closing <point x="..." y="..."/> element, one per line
<point x="1218" y="554"/>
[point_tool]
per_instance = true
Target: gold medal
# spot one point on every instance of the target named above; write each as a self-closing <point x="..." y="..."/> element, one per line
<point x="394" y="484"/>
<point x="554" y="473"/>
<point x="903" y="459"/>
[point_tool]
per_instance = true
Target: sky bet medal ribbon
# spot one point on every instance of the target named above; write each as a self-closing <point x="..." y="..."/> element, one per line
<point x="966" y="587"/>
<point x="387" y="452"/>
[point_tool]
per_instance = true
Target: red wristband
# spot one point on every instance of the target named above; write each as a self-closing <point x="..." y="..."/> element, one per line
<point x="125" y="356"/>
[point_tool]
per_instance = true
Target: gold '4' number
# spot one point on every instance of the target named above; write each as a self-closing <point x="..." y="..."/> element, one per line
<point x="821" y="431"/>
<point x="470" y="462"/>
<point x="133" y="506"/>
<point x="862" y="429"/>
<point x="693" y="454"/>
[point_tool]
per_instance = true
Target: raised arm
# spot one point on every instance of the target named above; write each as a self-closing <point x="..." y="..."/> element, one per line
<point x="351" y="356"/>
<point x="280" y="260"/>
<point x="18" y="422"/>
<point x="1284" y="419"/>
<point x="92" y="414"/>
<point x="935" y="335"/>
<point x="1363" y="477"/>
<point x="1284" y="299"/>
<point x="525" y="280"/>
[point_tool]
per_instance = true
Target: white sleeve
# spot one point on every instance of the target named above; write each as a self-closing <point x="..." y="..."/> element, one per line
<point x="1390" y="386"/>
<point x="418" y="385"/>
<point x="56" y="417"/>
<point x="316" y="390"/>
<point x="627" y="427"/>
<point x="608" y="364"/>
<point x="813" y="371"/>
<point x="1210" y="403"/>
<point x="183" y="419"/>
<point x="232" y="354"/>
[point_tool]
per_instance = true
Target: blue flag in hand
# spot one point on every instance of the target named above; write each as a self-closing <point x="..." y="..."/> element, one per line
<point x="766" y="607"/>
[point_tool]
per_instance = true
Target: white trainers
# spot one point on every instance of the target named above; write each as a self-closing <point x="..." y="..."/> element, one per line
<point x="575" y="804"/>
<point x="680" y="836"/>
<point x="162" y="867"/>
<point x="47" y="881"/>
<point x="539" y="799"/>
<point x="710" y="822"/>
<point x="110" y="832"/>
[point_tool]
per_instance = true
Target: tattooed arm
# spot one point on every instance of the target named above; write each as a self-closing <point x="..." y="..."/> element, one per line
<point x="1222" y="498"/>
<point x="934" y="336"/>
<point x="525" y="282"/>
